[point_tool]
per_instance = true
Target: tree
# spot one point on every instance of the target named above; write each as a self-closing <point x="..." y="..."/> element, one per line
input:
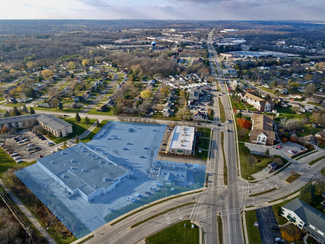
<point x="31" y="110"/>
<point x="86" y="120"/>
<point x="97" y="123"/>
<point x="307" y="193"/>
<point x="145" y="94"/>
<point x="245" y="150"/>
<point x="25" y="109"/>
<point x="77" y="139"/>
<point x="16" y="111"/>
<point x="310" y="89"/>
<point x="279" y="162"/>
<point x="47" y="74"/>
<point x="239" y="115"/>
<point x="78" y="119"/>
<point x="60" y="106"/>
<point x="85" y="62"/>
<point x="64" y="145"/>
<point x="6" y="114"/>
<point x="4" y="129"/>
<point x="13" y="92"/>
<point x="245" y="124"/>
<point x="72" y="65"/>
<point x="54" y="103"/>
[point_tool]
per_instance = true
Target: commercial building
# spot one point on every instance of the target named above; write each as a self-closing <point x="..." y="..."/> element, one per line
<point x="49" y="122"/>
<point x="182" y="140"/>
<point x="174" y="174"/>
<point x="306" y="218"/>
<point x="262" y="130"/>
<point x="259" y="103"/>
<point x="82" y="171"/>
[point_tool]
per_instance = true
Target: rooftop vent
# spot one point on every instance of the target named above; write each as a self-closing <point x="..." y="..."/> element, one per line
<point x="105" y="179"/>
<point x="65" y="165"/>
<point x="63" y="176"/>
<point x="93" y="170"/>
<point x="83" y="170"/>
<point x="52" y="162"/>
<point x="88" y="154"/>
<point x="71" y="160"/>
<point x="62" y="153"/>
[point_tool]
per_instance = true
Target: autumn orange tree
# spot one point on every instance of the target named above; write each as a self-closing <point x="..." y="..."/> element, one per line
<point x="245" y="124"/>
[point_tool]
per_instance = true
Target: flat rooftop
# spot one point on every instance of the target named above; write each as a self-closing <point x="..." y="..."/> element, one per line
<point x="182" y="138"/>
<point x="79" y="165"/>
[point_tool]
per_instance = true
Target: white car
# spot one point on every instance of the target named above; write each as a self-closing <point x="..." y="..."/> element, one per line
<point x="31" y="144"/>
<point x="14" y="154"/>
<point x="50" y="143"/>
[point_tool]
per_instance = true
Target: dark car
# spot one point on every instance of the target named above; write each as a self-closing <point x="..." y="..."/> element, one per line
<point x="219" y="124"/>
<point x="228" y="130"/>
<point x="30" y="149"/>
<point x="148" y="193"/>
<point x="275" y="227"/>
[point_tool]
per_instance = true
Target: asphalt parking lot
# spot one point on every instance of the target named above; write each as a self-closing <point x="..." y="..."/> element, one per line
<point x="266" y="219"/>
<point x="40" y="147"/>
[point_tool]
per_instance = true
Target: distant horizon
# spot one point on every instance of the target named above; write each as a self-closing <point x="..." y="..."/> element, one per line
<point x="196" y="20"/>
<point x="210" y="10"/>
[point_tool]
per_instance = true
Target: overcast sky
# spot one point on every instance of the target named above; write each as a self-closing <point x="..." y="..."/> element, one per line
<point x="165" y="9"/>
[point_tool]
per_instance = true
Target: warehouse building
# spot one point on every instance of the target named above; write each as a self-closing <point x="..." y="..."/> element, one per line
<point x="82" y="171"/>
<point x="182" y="140"/>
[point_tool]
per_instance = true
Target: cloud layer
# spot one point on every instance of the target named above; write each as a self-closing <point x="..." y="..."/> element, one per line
<point x="165" y="9"/>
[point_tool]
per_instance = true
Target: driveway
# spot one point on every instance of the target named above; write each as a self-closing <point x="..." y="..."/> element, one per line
<point x="266" y="219"/>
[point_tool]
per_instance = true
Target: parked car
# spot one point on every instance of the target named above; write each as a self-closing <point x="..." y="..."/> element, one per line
<point x="275" y="227"/>
<point x="50" y="143"/>
<point x="278" y="146"/>
<point x="16" y="158"/>
<point x="30" y="149"/>
<point x="31" y="144"/>
<point x="148" y="193"/>
<point x="20" y="161"/>
<point x="40" y="156"/>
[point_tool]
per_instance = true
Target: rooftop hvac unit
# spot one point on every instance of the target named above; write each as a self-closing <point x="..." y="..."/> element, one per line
<point x="71" y="160"/>
<point x="65" y="165"/>
<point x="52" y="162"/>
<point x="83" y="170"/>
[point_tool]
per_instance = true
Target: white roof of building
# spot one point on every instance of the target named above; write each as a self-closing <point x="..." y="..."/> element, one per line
<point x="182" y="138"/>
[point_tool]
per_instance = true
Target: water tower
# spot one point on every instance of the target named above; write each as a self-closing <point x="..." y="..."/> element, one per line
<point x="153" y="45"/>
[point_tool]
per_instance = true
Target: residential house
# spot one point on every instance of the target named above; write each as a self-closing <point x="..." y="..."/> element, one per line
<point x="259" y="103"/>
<point x="306" y="218"/>
<point x="262" y="130"/>
<point x="199" y="115"/>
<point x="272" y="166"/>
<point x="297" y="96"/>
<point x="194" y="95"/>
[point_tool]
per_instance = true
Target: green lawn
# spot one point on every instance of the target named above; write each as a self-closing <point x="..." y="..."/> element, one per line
<point x="253" y="232"/>
<point x="6" y="162"/>
<point x="222" y="111"/>
<point x="288" y="113"/>
<point x="237" y="105"/>
<point x="108" y="112"/>
<point x="219" y="89"/>
<point x="266" y="89"/>
<point x="94" y="132"/>
<point x="307" y="131"/>
<point x="249" y="166"/>
<point x="66" y="110"/>
<point x="78" y="129"/>
<point x="176" y="234"/>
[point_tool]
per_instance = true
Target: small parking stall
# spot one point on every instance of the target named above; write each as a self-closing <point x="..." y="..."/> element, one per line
<point x="27" y="146"/>
<point x="268" y="226"/>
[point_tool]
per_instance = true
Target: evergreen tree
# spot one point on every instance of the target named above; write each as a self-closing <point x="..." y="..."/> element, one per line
<point x="60" y="106"/>
<point x="25" y="109"/>
<point x="86" y="120"/>
<point x="31" y="110"/>
<point x="97" y="123"/>
<point x="78" y="119"/>
<point x="6" y="114"/>
<point x="77" y="139"/>
<point x="16" y="111"/>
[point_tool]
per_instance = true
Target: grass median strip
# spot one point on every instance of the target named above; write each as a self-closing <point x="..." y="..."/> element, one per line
<point x="292" y="178"/>
<point x="218" y="86"/>
<point x="225" y="169"/>
<point x="151" y="205"/>
<point x="263" y="192"/>
<point x="220" y="229"/>
<point x="158" y="214"/>
<point x="222" y="111"/>
<point x="316" y="160"/>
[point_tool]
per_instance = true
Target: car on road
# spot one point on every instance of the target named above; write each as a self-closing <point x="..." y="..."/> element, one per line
<point x="278" y="146"/>
<point x="228" y="130"/>
<point x="279" y="240"/>
<point x="198" y="123"/>
<point x="58" y="148"/>
<point x="142" y="157"/>
<point x="275" y="227"/>
<point x="275" y="147"/>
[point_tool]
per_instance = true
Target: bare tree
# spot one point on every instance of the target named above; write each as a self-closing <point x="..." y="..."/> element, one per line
<point x="10" y="144"/>
<point x="310" y="89"/>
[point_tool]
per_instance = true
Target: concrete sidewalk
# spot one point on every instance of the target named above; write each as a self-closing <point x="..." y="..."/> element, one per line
<point x="28" y="214"/>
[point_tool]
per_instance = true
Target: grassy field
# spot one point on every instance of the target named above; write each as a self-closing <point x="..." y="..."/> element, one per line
<point x="266" y="89"/>
<point x="254" y="236"/>
<point x="6" y="162"/>
<point x="94" y="132"/>
<point x="204" y="143"/>
<point x="78" y="129"/>
<point x="237" y="105"/>
<point x="66" y="110"/>
<point x="249" y="165"/>
<point x="222" y="111"/>
<point x="176" y="234"/>
<point x="108" y="112"/>
<point x="288" y="113"/>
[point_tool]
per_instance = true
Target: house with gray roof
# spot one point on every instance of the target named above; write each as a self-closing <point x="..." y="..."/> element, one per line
<point x="306" y="218"/>
<point x="49" y="122"/>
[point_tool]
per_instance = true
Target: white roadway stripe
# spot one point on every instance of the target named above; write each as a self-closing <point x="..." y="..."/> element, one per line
<point x="195" y="206"/>
<point x="223" y="213"/>
<point x="200" y="205"/>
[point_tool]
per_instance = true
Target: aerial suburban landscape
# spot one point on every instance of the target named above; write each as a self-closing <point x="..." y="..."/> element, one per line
<point x="136" y="130"/>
